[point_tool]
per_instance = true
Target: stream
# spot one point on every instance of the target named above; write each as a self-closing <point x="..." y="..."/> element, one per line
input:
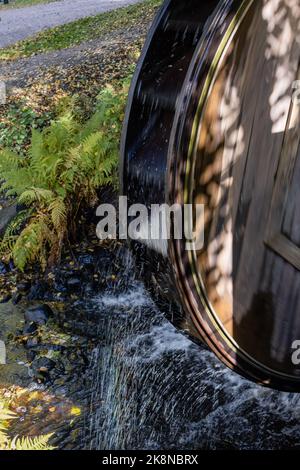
<point x="144" y="386"/>
<point x="155" y="389"/>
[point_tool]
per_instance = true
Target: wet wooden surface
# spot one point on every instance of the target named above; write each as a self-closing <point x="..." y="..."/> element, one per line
<point x="248" y="157"/>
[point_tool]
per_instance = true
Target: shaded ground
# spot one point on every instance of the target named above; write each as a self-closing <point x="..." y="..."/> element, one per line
<point x="17" y="24"/>
<point x="98" y="52"/>
<point x="38" y="83"/>
<point x="46" y="380"/>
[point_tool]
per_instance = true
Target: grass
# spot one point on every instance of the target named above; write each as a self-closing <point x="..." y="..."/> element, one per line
<point x="23" y="3"/>
<point x="81" y="30"/>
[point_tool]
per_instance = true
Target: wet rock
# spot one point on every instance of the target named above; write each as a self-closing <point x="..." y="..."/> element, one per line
<point x="87" y="261"/>
<point x="59" y="286"/>
<point x="39" y="315"/>
<point x="32" y="342"/>
<point x="29" y="329"/>
<point x="3" y="268"/>
<point x="7" y="214"/>
<point x="38" y="291"/>
<point x="74" y="284"/>
<point x="23" y="287"/>
<point x="38" y="347"/>
<point x="11" y="266"/>
<point x="16" y="298"/>
<point x="31" y="355"/>
<point x="61" y="390"/>
<point x="42" y="365"/>
<point x="4" y="299"/>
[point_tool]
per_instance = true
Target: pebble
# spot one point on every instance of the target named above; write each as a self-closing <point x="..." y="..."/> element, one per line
<point x="39" y="315"/>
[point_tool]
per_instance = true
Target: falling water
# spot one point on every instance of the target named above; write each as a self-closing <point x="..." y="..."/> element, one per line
<point x="154" y="389"/>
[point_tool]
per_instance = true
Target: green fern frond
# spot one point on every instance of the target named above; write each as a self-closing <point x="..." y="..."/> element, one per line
<point x="28" y="246"/>
<point x="9" y="161"/>
<point x="64" y="167"/>
<point x="36" y="195"/>
<point x="11" y="235"/>
<point x="91" y="126"/>
<point x="31" y="443"/>
<point x="16" y="181"/>
<point x="20" y="443"/>
<point x="6" y="414"/>
<point x="36" y="148"/>
<point x="60" y="135"/>
<point x="58" y="214"/>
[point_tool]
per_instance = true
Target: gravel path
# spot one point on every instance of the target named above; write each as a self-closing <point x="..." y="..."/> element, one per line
<point x="17" y="73"/>
<point x="17" y="24"/>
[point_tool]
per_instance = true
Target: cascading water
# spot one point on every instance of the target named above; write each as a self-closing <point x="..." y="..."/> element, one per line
<point x="155" y="389"/>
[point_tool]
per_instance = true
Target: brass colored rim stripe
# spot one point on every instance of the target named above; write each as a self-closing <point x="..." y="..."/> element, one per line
<point x="209" y="82"/>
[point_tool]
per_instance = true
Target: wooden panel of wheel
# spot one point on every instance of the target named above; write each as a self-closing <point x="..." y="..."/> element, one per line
<point x="248" y="139"/>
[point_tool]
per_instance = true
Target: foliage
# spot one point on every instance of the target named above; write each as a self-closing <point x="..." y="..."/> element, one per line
<point x="63" y="168"/>
<point x="12" y="231"/>
<point x="81" y="30"/>
<point x="16" y="124"/>
<point x="19" y="443"/>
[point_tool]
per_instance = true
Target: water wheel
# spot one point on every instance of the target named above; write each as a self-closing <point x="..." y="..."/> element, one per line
<point x="213" y="119"/>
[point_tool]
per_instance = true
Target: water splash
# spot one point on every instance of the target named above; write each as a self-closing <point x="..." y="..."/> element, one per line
<point x="154" y="389"/>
